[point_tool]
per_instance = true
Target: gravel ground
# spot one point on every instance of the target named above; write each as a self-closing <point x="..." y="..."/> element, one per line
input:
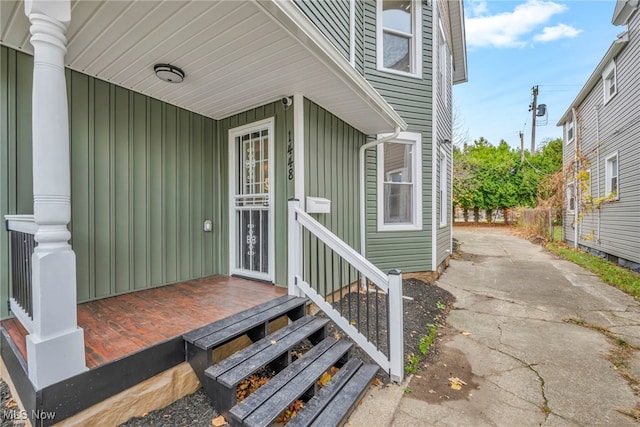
<point x="424" y="304"/>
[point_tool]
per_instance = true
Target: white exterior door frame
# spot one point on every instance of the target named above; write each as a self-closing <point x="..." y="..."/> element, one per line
<point x="251" y="198"/>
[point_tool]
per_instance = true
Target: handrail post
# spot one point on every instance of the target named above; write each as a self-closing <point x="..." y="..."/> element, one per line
<point x="294" y="249"/>
<point x="396" y="327"/>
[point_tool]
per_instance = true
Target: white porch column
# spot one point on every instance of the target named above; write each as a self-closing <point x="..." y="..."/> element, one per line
<point x="55" y="349"/>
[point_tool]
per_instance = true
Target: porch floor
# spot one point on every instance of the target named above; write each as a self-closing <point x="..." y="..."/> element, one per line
<point x="119" y="326"/>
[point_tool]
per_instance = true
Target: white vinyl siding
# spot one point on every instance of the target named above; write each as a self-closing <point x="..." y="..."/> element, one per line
<point x="398" y="32"/>
<point x="399" y="189"/>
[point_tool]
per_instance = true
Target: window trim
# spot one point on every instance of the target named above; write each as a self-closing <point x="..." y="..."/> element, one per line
<point x="607" y="174"/>
<point x="416" y="42"/>
<point x="611" y="70"/>
<point x="406" y="138"/>
<point x="570" y="125"/>
<point x="571" y="191"/>
<point x="443" y="170"/>
<point x="443" y="64"/>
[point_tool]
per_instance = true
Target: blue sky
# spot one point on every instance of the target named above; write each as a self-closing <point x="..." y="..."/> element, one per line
<point x="515" y="45"/>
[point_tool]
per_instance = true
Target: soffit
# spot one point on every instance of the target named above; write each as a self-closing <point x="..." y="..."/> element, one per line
<point x="236" y="55"/>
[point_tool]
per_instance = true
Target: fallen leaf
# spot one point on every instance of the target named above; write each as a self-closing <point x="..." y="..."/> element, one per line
<point x="325" y="378"/>
<point x="145" y="414"/>
<point x="456" y="383"/>
<point x="466" y="334"/>
<point x="273" y="341"/>
<point x="432" y="391"/>
<point x="418" y="376"/>
<point x="10" y="404"/>
<point x="218" y="421"/>
<point x="376" y="382"/>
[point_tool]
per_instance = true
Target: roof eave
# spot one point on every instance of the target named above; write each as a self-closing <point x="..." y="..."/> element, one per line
<point x="297" y="24"/>
<point x="615" y="48"/>
<point x="623" y="11"/>
<point x="459" y="48"/>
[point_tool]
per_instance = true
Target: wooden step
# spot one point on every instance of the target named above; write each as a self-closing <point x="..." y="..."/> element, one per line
<point x="336" y="400"/>
<point x="275" y="349"/>
<point x="253" y="322"/>
<point x="264" y="405"/>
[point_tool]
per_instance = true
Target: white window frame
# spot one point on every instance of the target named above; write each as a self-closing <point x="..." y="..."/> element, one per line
<point x="571" y="126"/>
<point x="571" y="194"/>
<point x="608" y="75"/>
<point x="416" y="41"/>
<point x="443" y="62"/>
<point x="404" y="138"/>
<point x="443" y="211"/>
<point x="609" y="176"/>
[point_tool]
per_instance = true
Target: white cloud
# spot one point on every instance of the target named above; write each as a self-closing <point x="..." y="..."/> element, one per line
<point x="508" y="29"/>
<point x="478" y="8"/>
<point x="560" y="31"/>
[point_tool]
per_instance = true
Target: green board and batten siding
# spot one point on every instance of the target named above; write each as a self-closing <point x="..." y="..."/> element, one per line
<point x="411" y="98"/>
<point x="16" y="195"/>
<point x="145" y="175"/>
<point x="332" y="17"/>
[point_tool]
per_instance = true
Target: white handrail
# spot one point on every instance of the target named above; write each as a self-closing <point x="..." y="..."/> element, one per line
<point x="362" y="264"/>
<point x="390" y="284"/>
<point x="21" y="223"/>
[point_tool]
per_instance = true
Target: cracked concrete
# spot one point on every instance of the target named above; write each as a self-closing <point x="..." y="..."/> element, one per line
<point x="532" y="367"/>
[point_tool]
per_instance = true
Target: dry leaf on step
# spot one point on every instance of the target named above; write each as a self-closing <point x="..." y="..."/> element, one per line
<point x="218" y="421"/>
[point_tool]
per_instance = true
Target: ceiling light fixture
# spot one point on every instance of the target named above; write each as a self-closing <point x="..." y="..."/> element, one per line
<point x="169" y="73"/>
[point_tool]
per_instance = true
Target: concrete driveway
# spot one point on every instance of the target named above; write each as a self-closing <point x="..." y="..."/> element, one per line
<point x="540" y="336"/>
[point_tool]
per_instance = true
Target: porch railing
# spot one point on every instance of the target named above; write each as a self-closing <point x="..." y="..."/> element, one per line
<point x="22" y="229"/>
<point x="357" y="296"/>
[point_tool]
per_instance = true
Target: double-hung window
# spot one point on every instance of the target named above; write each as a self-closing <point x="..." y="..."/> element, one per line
<point x="398" y="31"/>
<point x="571" y="197"/>
<point x="611" y="174"/>
<point x="570" y="131"/>
<point x="444" y="186"/>
<point x="399" y="183"/>
<point x="609" y="81"/>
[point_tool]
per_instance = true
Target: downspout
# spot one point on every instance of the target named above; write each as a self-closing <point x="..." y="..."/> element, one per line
<point x="598" y="168"/>
<point x="363" y="215"/>
<point x="576" y="187"/>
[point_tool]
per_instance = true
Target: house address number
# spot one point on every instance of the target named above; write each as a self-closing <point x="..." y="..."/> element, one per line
<point x="290" y="157"/>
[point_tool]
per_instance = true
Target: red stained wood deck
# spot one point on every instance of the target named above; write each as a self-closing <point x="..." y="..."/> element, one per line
<point x="125" y="324"/>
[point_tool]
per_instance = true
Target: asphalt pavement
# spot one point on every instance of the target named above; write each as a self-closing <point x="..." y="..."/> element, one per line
<point x="540" y="335"/>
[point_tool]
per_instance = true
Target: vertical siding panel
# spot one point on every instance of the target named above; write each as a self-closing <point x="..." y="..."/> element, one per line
<point x="196" y="205"/>
<point x="209" y="170"/>
<point x="23" y="148"/>
<point x="170" y="194"/>
<point x="156" y="193"/>
<point x="122" y="188"/>
<point x="183" y="196"/>
<point x="102" y="190"/>
<point x="139" y="193"/>
<point x="79" y="133"/>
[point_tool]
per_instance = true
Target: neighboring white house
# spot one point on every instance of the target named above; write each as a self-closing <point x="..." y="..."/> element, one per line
<point x="601" y="151"/>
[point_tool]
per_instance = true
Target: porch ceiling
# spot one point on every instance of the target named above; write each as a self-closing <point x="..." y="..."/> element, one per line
<point x="236" y="55"/>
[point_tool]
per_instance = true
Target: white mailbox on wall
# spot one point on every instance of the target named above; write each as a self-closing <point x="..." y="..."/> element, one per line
<point x="318" y="205"/>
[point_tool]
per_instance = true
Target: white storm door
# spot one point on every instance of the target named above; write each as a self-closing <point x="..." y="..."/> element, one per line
<point x="251" y="235"/>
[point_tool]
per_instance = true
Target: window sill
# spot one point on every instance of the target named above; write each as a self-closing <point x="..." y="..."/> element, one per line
<point x="400" y="73"/>
<point x="400" y="227"/>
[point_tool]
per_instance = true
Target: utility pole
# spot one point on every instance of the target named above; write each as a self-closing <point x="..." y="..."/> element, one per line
<point x="533" y="108"/>
<point x="521" y="147"/>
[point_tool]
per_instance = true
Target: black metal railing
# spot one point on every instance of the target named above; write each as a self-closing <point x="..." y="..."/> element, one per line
<point x="22" y="246"/>
<point x="349" y="292"/>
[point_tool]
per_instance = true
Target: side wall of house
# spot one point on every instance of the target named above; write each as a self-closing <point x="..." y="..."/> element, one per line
<point x="144" y="178"/>
<point x="605" y="129"/>
<point x="411" y="97"/>
<point x="443" y="105"/>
